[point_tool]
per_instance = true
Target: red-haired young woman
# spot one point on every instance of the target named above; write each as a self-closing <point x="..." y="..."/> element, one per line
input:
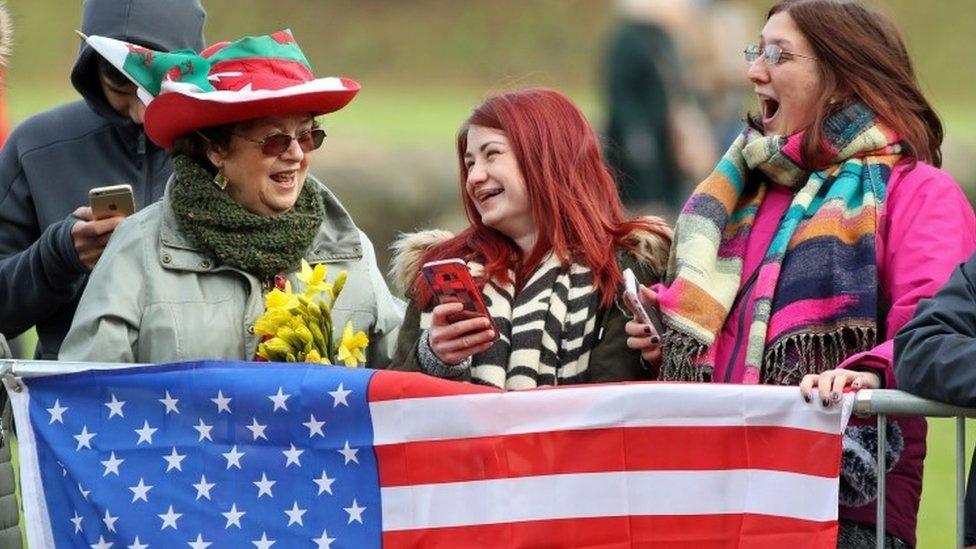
<point x="547" y="244"/>
<point x="825" y="223"/>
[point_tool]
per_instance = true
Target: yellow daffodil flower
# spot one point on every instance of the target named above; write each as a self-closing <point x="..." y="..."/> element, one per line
<point x="351" y="346"/>
<point x="283" y="299"/>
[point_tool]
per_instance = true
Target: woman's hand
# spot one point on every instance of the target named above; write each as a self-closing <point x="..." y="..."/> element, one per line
<point x="644" y="337"/>
<point x="454" y="342"/>
<point x="830" y="384"/>
<point x="90" y="236"/>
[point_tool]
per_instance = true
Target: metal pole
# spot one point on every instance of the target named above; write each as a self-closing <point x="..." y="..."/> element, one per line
<point x="960" y="479"/>
<point x="879" y="531"/>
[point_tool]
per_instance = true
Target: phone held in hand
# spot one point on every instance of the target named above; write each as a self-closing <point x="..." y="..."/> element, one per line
<point x="450" y="281"/>
<point x="633" y="303"/>
<point x="115" y="200"/>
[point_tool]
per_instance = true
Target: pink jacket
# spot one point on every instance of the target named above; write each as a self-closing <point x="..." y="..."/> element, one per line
<point x="926" y="228"/>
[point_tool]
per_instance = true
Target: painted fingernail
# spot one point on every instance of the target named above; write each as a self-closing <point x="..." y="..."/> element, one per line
<point x="826" y="402"/>
<point x="647" y="330"/>
<point x="806" y="398"/>
<point x="655" y="340"/>
<point x="835" y="396"/>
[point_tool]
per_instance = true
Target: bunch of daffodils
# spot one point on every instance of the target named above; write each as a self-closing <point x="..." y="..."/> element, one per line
<point x="298" y="327"/>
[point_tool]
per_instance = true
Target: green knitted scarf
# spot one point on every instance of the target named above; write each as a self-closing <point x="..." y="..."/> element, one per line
<point x="257" y="244"/>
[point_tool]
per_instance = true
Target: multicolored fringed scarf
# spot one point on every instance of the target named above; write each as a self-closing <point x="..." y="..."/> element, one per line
<point x="816" y="291"/>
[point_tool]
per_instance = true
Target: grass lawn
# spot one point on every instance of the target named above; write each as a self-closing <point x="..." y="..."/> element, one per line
<point x="387" y="118"/>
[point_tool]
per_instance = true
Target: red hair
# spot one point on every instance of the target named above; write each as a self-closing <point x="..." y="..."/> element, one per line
<point x="573" y="196"/>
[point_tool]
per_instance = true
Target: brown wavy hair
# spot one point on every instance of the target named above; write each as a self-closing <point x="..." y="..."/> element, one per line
<point x="862" y="57"/>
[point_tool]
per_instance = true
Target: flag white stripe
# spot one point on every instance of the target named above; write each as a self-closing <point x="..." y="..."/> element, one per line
<point x="593" y="407"/>
<point x="36" y="522"/>
<point x="552" y="497"/>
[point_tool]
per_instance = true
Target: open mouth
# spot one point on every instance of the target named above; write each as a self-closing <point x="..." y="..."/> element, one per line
<point x="770" y="107"/>
<point x="484" y="195"/>
<point x="284" y="180"/>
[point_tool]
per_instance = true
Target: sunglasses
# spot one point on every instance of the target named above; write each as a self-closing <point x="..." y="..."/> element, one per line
<point x="772" y="54"/>
<point x="276" y="144"/>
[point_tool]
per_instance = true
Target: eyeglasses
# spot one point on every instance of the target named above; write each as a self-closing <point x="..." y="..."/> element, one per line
<point x="276" y="144"/>
<point x="772" y="54"/>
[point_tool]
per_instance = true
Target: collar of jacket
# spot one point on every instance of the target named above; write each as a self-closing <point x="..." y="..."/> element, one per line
<point x="337" y="240"/>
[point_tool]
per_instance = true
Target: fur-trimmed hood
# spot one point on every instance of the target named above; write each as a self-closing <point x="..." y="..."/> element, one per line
<point x="6" y="35"/>
<point x="650" y="247"/>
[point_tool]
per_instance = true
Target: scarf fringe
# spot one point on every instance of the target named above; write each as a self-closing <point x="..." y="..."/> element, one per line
<point x="679" y="353"/>
<point x="791" y="358"/>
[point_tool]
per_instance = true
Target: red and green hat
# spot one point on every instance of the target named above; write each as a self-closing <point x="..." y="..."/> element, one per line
<point x="250" y="78"/>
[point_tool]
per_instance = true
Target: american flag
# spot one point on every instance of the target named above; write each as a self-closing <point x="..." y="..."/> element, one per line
<point x="220" y="454"/>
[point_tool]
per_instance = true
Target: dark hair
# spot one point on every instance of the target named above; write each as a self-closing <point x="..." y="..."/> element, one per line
<point x="111" y="73"/>
<point x="862" y="57"/>
<point x="573" y="197"/>
<point x="195" y="144"/>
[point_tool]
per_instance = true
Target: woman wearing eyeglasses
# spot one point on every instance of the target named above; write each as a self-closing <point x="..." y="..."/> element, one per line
<point x="822" y="227"/>
<point x="185" y="278"/>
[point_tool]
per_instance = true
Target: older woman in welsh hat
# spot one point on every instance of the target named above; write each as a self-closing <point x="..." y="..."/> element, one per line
<point x="186" y="277"/>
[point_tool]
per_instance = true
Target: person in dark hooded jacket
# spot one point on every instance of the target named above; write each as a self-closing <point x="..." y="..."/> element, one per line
<point x="934" y="356"/>
<point x="48" y="239"/>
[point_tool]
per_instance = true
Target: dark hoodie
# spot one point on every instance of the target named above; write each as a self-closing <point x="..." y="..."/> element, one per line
<point x="53" y="159"/>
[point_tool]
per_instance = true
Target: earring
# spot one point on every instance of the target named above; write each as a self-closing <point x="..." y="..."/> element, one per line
<point x="220" y="181"/>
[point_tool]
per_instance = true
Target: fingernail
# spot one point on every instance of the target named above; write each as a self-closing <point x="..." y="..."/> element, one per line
<point x="806" y="398"/>
<point x="826" y="403"/>
<point x="647" y="330"/>
<point x="655" y="340"/>
<point x="835" y="396"/>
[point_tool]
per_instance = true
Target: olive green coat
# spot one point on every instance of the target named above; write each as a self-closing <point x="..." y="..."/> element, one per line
<point x="156" y="297"/>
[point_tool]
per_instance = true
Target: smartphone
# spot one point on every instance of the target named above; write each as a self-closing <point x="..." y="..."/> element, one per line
<point x="450" y="281"/>
<point x="633" y="303"/>
<point x="115" y="200"/>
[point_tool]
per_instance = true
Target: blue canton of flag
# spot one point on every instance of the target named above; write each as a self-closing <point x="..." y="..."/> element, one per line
<point x="202" y="455"/>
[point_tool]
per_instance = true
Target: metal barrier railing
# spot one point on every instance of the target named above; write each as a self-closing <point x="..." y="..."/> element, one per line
<point x="877" y="402"/>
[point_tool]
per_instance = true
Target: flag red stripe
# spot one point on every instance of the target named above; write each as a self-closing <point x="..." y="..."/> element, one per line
<point x="700" y="531"/>
<point x="393" y="385"/>
<point x="603" y="450"/>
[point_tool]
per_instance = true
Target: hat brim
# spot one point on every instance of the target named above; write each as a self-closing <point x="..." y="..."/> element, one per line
<point x="172" y="115"/>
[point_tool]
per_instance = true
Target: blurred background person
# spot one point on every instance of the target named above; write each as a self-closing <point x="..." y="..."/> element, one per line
<point x="49" y="241"/>
<point x="542" y="208"/>
<point x="186" y="277"/>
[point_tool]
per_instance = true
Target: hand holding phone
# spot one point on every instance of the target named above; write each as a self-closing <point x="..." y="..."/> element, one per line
<point x="461" y="325"/>
<point x="636" y="306"/>
<point x="112" y="201"/>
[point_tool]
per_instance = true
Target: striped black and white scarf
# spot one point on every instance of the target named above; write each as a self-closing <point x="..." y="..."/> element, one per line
<point x="546" y="332"/>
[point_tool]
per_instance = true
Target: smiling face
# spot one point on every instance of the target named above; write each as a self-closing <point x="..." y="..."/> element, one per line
<point x="788" y="92"/>
<point x="265" y="185"/>
<point x="496" y="187"/>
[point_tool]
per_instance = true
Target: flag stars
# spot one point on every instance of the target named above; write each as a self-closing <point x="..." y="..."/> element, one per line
<point x="339" y="396"/>
<point x="170" y="404"/>
<point x="222" y="402"/>
<point x="233" y="516"/>
<point x="109" y="521"/>
<point x="314" y="427"/>
<point x="84" y="493"/>
<point x="279" y="400"/>
<point x="140" y="491"/>
<point x="257" y="430"/>
<point x="115" y="407"/>
<point x="112" y="465"/>
<point x="349" y="453"/>
<point x="204" y="487"/>
<point x="204" y="430"/>
<point x="264" y="486"/>
<point x="170" y="518"/>
<point x="145" y="434"/>
<point x="174" y="460"/>
<point x="57" y="412"/>
<point x="199" y="543"/>
<point x="102" y="544"/>
<point x="324" y="542"/>
<point x="324" y="482"/>
<point x="291" y="456"/>
<point x="233" y="457"/>
<point x="84" y="438"/>
<point x="136" y="544"/>
<point x="76" y="520"/>
<point x="264" y="542"/>
<point x="355" y="512"/>
<point x="295" y="515"/>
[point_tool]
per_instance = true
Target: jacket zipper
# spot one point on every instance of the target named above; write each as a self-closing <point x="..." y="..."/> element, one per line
<point x="743" y="298"/>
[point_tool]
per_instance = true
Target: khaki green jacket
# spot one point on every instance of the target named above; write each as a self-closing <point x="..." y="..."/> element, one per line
<point x="155" y="297"/>
<point x="610" y="360"/>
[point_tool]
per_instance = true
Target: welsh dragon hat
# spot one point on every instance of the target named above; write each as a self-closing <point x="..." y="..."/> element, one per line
<point x="253" y="77"/>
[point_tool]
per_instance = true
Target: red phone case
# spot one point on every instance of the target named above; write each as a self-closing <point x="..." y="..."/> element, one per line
<point x="450" y="281"/>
